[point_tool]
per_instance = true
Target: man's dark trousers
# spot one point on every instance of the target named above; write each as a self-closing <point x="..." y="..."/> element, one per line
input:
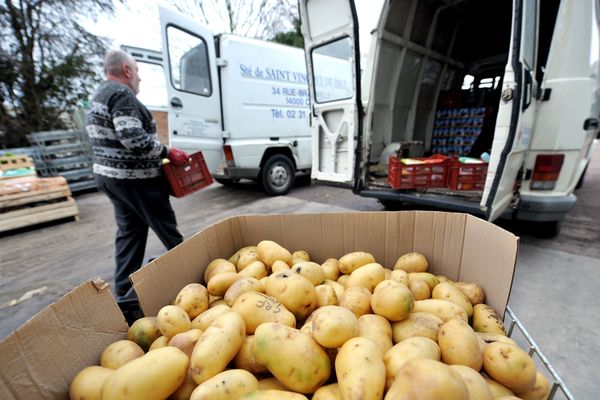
<point x="138" y="204"/>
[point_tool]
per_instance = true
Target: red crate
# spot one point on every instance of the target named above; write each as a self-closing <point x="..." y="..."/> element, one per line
<point x="432" y="174"/>
<point x="189" y="177"/>
<point x="467" y="176"/>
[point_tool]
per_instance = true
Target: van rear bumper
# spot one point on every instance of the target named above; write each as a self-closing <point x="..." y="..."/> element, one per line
<point x="238" y="173"/>
<point x="535" y="208"/>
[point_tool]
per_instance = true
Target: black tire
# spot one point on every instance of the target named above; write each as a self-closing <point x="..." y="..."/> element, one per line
<point x="391" y="205"/>
<point x="277" y="175"/>
<point x="227" y="182"/>
<point x="547" y="229"/>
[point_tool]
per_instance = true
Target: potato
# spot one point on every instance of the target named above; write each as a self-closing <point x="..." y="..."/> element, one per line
<point x="242" y="285"/>
<point x="444" y="278"/>
<point x="185" y="341"/>
<point x="88" y="382"/>
<point x="328" y="392"/>
<point x="497" y="389"/>
<point x="218" y="284"/>
<point x="193" y="298"/>
<point x="217" y="266"/>
<point x="368" y="276"/>
<point x="119" y="353"/>
<point x="257" y="308"/>
<point x="419" y="289"/>
<point x="399" y="275"/>
<point x="294" y="291"/>
<point x="476" y="385"/>
<point x="144" y="331"/>
<point x="447" y="291"/>
<point x="172" y="320"/>
<point x="160" y="342"/>
<point x="392" y="300"/>
<point x="326" y="296"/>
<point x="269" y="251"/>
<point x="203" y="320"/>
<point x="408" y="349"/>
<point x="425" y="379"/>
<point x="244" y="359"/>
<point x="216" y="302"/>
<point x="271" y="383"/>
<point x="256" y="269"/>
<point x="230" y="384"/>
<point x="305" y="367"/>
<point x="300" y="255"/>
<point x="540" y="390"/>
<point x="473" y="292"/>
<point x="351" y="261"/>
<point x="338" y="287"/>
<point x="459" y="344"/>
<point x="485" y="319"/>
<point x="358" y="300"/>
<point x="488" y="338"/>
<point x="155" y="375"/>
<point x="273" y="394"/>
<point x="412" y="262"/>
<point x="510" y="366"/>
<point x="311" y="271"/>
<point x="332" y="326"/>
<point x="360" y="370"/>
<point x="331" y="269"/>
<point x="217" y="346"/>
<point x="246" y="258"/>
<point x="343" y="279"/>
<point x="431" y="280"/>
<point x="417" y="324"/>
<point x="444" y="309"/>
<point x="236" y="256"/>
<point x="184" y="392"/>
<point x="279" y="266"/>
<point x="508" y="398"/>
<point x="376" y="328"/>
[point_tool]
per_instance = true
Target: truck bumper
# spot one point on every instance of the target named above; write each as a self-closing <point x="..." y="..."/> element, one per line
<point x="534" y="208"/>
<point x="238" y="173"/>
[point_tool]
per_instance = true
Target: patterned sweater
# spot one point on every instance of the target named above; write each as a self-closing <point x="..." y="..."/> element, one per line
<point x="122" y="134"/>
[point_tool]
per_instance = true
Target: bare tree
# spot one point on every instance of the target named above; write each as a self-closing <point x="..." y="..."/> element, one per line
<point x="261" y="19"/>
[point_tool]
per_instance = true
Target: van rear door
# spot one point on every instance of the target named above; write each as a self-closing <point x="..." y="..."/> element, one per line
<point x="330" y="32"/>
<point x="516" y="112"/>
<point x="192" y="85"/>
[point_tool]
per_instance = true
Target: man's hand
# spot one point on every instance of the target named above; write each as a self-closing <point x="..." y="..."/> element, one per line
<point x="177" y="156"/>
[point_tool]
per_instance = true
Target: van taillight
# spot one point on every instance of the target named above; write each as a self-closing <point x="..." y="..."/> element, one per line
<point x="546" y="171"/>
<point x="228" y="155"/>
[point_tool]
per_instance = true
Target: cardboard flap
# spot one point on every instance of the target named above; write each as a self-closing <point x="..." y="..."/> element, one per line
<point x="41" y="358"/>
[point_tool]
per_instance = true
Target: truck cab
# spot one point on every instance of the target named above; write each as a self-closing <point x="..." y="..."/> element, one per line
<point x="488" y="107"/>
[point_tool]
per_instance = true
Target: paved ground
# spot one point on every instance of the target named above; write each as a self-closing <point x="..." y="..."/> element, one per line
<point x="554" y="291"/>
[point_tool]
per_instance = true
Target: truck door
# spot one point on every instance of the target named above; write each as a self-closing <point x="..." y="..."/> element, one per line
<point x="516" y="112"/>
<point x="331" y="43"/>
<point x="192" y="85"/>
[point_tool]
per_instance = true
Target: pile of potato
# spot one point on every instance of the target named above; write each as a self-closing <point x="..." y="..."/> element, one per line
<point x="271" y="324"/>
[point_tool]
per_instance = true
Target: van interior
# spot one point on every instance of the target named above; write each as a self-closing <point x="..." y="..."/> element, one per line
<point x="438" y="80"/>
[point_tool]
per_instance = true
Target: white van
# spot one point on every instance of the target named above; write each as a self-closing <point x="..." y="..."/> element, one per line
<point x="242" y="102"/>
<point x="517" y="79"/>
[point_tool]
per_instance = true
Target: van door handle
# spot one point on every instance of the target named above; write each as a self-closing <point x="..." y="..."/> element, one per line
<point x="528" y="95"/>
<point x="591" y="123"/>
<point x="176" y="102"/>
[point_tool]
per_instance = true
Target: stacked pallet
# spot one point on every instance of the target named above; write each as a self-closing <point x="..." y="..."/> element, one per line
<point x="26" y="201"/>
<point x="65" y="153"/>
<point x="15" y="165"/>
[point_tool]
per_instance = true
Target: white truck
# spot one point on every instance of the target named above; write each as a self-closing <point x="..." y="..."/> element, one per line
<point x="517" y="79"/>
<point x="242" y="102"/>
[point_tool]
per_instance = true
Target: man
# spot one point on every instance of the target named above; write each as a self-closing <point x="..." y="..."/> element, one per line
<point x="127" y="166"/>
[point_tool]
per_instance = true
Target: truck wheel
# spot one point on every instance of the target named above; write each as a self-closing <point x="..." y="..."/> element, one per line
<point x="277" y="175"/>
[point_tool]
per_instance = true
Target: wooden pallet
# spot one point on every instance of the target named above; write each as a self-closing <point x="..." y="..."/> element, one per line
<point x="15" y="162"/>
<point x="39" y="200"/>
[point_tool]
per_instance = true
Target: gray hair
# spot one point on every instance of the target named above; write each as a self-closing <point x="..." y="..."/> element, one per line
<point x="114" y="60"/>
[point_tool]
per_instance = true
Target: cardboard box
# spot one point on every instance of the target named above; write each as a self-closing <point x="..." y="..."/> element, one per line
<point x="41" y="357"/>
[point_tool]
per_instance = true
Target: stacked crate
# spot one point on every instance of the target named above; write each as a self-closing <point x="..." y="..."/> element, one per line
<point x="65" y="153"/>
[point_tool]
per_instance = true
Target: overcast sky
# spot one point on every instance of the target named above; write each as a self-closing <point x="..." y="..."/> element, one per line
<point x="138" y="25"/>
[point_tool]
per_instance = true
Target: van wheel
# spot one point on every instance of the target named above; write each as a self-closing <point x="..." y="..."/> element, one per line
<point x="277" y="175"/>
<point x="547" y="229"/>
